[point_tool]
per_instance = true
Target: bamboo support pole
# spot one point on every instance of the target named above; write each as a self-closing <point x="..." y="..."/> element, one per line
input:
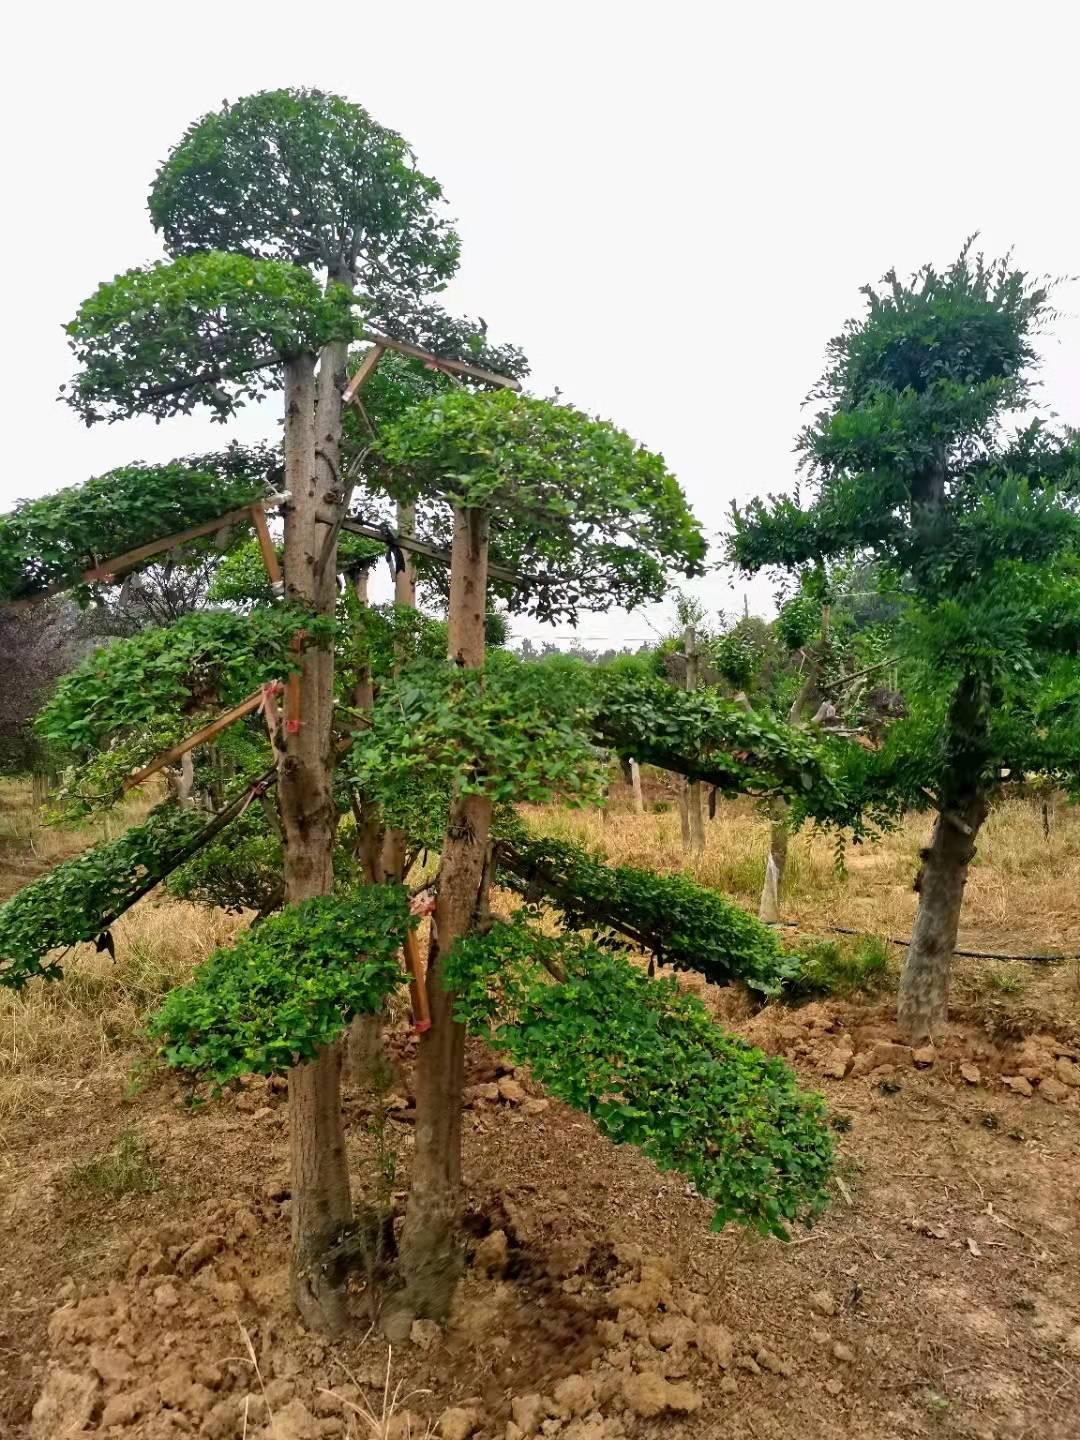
<point x="417" y="984"/>
<point x="108" y="570"/>
<point x="438" y="362"/>
<point x="199" y="737"/>
<point x="266" y="545"/>
<point x="421" y="547"/>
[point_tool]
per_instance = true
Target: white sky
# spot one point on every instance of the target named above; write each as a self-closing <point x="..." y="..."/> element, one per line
<point x="669" y="206"/>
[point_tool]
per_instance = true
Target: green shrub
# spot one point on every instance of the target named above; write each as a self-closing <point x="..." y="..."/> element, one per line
<point x="646" y="1062"/>
<point x="287" y="986"/>
<point x="829" y="967"/>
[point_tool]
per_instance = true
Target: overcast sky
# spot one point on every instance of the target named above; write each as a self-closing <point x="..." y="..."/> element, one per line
<point x="670" y="207"/>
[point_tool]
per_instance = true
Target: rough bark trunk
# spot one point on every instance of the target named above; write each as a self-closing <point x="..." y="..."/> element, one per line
<point x="365" y="1063"/>
<point x="683" y="792"/>
<point x="694" y="827"/>
<point x="321" y="1203"/>
<point x="775" y="865"/>
<point x="430" y="1257"/>
<point x="395" y="841"/>
<point x="962" y="807"/>
<point x="924" y="985"/>
<point x="181" y="781"/>
<point x="776" y="861"/>
<point x="697" y="819"/>
<point x="635" y="781"/>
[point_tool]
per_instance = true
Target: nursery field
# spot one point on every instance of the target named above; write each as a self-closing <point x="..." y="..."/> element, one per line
<point x="143" y="1278"/>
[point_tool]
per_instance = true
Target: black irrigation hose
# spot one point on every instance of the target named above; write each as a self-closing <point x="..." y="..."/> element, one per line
<point x="964" y="954"/>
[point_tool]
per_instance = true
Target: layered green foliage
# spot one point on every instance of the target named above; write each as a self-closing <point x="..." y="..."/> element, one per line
<point x="976" y="532"/>
<point x="684" y="924"/>
<point x="208" y="329"/>
<point x="306" y="177"/>
<point x="915" y="390"/>
<point x="503" y="733"/>
<point x="286" y="987"/>
<point x="77" y="900"/>
<point x="592" y="518"/>
<point x="131" y="699"/>
<point x="241" y="870"/>
<point x="50" y="541"/>
<point x="210" y="659"/>
<point x="646" y="1062"/>
<point x="705" y="737"/>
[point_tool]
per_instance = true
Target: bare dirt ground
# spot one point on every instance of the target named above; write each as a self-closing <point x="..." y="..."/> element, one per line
<point x="142" y="1278"/>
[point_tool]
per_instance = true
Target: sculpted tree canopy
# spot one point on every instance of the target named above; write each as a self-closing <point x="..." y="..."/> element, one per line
<point x="308" y="178"/>
<point x="915" y="462"/>
<point x="208" y="329"/>
<point x="298" y="227"/>
<point x="50" y="541"/>
<point x="591" y="517"/>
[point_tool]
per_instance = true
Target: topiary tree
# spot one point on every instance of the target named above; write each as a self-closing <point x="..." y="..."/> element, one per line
<point x="601" y="516"/>
<point x="581" y="516"/>
<point x="915" y="464"/>
<point x="308" y="178"/>
<point x="249" y="198"/>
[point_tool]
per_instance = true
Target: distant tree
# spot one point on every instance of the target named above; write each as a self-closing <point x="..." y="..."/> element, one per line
<point x="914" y="465"/>
<point x="39" y="645"/>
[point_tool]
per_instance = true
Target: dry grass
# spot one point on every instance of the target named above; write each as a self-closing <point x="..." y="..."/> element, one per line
<point x="1022" y="896"/>
<point x="29" y="844"/>
<point x="71" y="1037"/>
<point x="1023" y="889"/>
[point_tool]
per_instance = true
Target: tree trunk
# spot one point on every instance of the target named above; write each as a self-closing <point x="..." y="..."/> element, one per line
<point x="697" y="818"/>
<point x="776" y="862"/>
<point x="694" y="822"/>
<point x="769" y="906"/>
<point x="395" y="841"/>
<point x="635" y="781"/>
<point x="405" y="580"/>
<point x="683" y="792"/>
<point x="430" y="1258"/>
<point x="365" y="1064"/>
<point x="321" y="1203"/>
<point x="924" y="985"/>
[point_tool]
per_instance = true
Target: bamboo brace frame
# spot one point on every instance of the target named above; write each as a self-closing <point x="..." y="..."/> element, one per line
<point x="108" y="570"/>
<point x="199" y="737"/>
<point x="434" y="362"/>
<point x="420" y="547"/>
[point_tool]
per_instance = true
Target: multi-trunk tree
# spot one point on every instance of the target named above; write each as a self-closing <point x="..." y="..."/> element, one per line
<point x="277" y="209"/>
<point x="924" y="460"/>
<point x="591" y="513"/>
<point x="293" y="219"/>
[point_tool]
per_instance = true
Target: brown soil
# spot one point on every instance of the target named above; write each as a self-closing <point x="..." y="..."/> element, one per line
<point x="938" y="1296"/>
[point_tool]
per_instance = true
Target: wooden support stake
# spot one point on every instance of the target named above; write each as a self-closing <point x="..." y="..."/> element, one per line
<point x="266" y="544"/>
<point x="437" y="362"/>
<point x="109" y="569"/>
<point x="418" y="983"/>
<point x="635" y="781"/>
<point x="271" y="712"/>
<point x="693" y="826"/>
<point x="363" y="372"/>
<point x="200" y="737"/>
